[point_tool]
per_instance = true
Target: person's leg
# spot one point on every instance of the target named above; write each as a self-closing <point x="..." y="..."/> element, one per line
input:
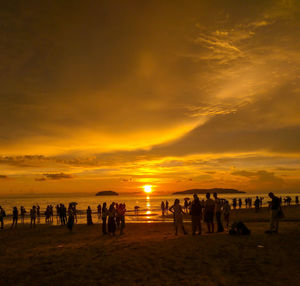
<point x="194" y="225"/>
<point x="1" y="220"/>
<point x="208" y="227"/>
<point x="199" y="225"/>
<point x="212" y="226"/>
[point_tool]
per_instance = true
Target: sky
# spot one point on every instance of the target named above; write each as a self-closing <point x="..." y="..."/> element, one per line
<point x="114" y="95"/>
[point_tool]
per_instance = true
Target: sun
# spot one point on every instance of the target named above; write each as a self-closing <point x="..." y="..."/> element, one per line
<point x="147" y="189"/>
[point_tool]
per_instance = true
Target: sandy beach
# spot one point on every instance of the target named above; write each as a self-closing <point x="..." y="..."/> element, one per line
<point x="150" y="254"/>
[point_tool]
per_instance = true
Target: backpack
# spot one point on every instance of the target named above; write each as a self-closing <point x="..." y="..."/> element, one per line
<point x="239" y="228"/>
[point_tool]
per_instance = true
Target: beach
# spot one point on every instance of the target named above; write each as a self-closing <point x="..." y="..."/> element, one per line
<point x="150" y="254"/>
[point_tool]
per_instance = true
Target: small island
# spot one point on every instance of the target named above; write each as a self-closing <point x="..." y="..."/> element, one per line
<point x="107" y="193"/>
<point x="204" y="191"/>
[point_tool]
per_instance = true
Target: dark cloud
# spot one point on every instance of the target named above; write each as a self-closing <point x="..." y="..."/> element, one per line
<point x="40" y="179"/>
<point x="3" y="177"/>
<point x="58" y="176"/>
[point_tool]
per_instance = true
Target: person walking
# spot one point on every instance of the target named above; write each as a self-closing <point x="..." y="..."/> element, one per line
<point x="177" y="211"/>
<point x="15" y="217"/>
<point x="89" y="216"/>
<point x="196" y="214"/>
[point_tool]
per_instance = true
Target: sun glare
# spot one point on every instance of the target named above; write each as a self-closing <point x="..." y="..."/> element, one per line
<point x="147" y="189"/>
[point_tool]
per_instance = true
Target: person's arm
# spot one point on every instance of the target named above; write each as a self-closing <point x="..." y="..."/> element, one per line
<point x="171" y="209"/>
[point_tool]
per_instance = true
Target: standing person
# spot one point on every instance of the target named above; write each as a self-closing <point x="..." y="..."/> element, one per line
<point x="104" y="218"/>
<point x="2" y="216"/>
<point x="118" y="216"/>
<point x="32" y="216"/>
<point x="196" y="213"/>
<point x="240" y="203"/>
<point x="167" y="206"/>
<point x="99" y="211"/>
<point x="38" y="213"/>
<point x="15" y="217"/>
<point x="23" y="212"/>
<point x="57" y="213"/>
<point x="89" y="216"/>
<point x="297" y="200"/>
<point x="122" y="211"/>
<point x="209" y="208"/>
<point x="70" y="222"/>
<point x="257" y="204"/>
<point x="111" y="219"/>
<point x="162" y="206"/>
<point x="276" y="214"/>
<point x="234" y="203"/>
<point x="218" y="208"/>
<point x="226" y="212"/>
<point x="177" y="211"/>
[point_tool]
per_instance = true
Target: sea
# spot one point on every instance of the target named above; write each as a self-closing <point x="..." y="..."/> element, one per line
<point x="149" y="210"/>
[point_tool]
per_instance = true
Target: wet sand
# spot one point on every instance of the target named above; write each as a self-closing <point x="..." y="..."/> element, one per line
<point x="150" y="254"/>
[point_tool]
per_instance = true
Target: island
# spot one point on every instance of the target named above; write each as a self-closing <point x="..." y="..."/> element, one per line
<point x="107" y="193"/>
<point x="204" y="191"/>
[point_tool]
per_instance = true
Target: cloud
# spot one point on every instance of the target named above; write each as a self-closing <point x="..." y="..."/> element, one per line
<point x="3" y="177"/>
<point x="58" y="176"/>
<point x="40" y="179"/>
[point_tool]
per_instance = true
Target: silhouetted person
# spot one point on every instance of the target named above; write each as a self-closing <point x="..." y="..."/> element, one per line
<point x="38" y="213"/>
<point x="118" y="219"/>
<point x="15" y="217"/>
<point x="209" y="208"/>
<point x="99" y="211"/>
<point x="167" y="206"/>
<point x="257" y="204"/>
<point x="89" y="216"/>
<point x="32" y="216"/>
<point x="162" y="206"/>
<point x="23" y="212"/>
<point x="196" y="213"/>
<point x="111" y="219"/>
<point x="234" y="203"/>
<point x="122" y="210"/>
<point x="218" y="209"/>
<point x="226" y="213"/>
<point x="297" y="200"/>
<point x="58" y="216"/>
<point x="275" y="213"/>
<point x="2" y="216"/>
<point x="240" y="203"/>
<point x="177" y="211"/>
<point x="70" y="222"/>
<point x="104" y="218"/>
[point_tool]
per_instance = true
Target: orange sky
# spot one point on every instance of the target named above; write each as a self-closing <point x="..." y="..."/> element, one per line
<point x="119" y="94"/>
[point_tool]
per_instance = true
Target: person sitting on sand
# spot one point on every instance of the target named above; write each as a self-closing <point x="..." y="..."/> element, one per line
<point x="275" y="213"/>
<point x="15" y="217"/>
<point x="2" y="216"/>
<point x="104" y="218"/>
<point x="70" y="222"/>
<point x="32" y="216"/>
<point x="218" y="208"/>
<point x="177" y="211"/>
<point x="196" y="213"/>
<point x="111" y="219"/>
<point x="226" y="212"/>
<point x="209" y="208"/>
<point x="89" y="216"/>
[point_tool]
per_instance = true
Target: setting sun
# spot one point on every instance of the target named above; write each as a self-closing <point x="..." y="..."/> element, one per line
<point x="147" y="189"/>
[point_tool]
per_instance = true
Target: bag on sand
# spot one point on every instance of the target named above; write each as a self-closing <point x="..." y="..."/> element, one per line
<point x="239" y="228"/>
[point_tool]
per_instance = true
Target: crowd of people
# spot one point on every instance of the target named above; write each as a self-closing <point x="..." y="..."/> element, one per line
<point x="214" y="212"/>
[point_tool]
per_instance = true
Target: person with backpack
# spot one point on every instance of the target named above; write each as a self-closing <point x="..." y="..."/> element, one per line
<point x="196" y="214"/>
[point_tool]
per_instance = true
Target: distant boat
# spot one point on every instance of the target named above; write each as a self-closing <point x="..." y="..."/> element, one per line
<point x="107" y="193"/>
<point x="204" y="191"/>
